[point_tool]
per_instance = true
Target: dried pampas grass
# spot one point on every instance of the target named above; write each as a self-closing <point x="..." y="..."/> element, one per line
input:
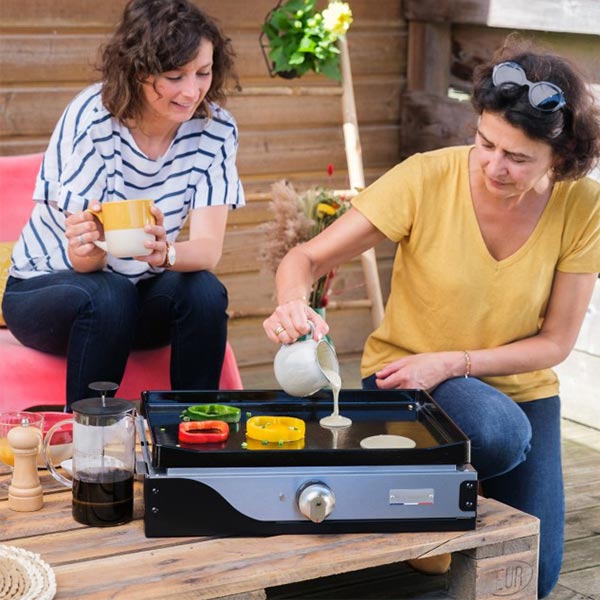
<point x="290" y="226"/>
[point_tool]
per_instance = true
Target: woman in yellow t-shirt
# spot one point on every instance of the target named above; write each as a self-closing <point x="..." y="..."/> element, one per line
<point x="498" y="254"/>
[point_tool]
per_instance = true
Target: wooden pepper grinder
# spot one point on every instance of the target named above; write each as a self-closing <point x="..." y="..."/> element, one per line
<point x="25" y="491"/>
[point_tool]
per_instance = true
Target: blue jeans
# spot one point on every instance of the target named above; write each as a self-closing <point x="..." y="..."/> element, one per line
<point x="96" y="319"/>
<point x="516" y="451"/>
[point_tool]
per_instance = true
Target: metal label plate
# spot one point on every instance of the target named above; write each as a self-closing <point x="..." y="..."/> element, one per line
<point x="412" y="497"/>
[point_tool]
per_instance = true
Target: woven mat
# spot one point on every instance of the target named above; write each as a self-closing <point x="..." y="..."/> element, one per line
<point x="25" y="576"/>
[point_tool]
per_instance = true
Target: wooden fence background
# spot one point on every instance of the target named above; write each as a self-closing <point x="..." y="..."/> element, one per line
<point x="406" y="55"/>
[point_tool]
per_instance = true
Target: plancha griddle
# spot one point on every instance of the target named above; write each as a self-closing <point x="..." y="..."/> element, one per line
<point x="327" y="483"/>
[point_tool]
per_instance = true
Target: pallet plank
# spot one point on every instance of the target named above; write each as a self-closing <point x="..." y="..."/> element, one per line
<point x="227" y="566"/>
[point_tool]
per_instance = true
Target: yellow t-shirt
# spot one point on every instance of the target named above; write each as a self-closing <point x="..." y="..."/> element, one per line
<point x="447" y="291"/>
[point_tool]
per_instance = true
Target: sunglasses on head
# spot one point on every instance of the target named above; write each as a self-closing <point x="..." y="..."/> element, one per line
<point x="543" y="95"/>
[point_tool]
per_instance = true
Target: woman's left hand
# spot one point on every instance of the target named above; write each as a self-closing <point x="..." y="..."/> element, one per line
<point x="159" y="245"/>
<point x="418" y="371"/>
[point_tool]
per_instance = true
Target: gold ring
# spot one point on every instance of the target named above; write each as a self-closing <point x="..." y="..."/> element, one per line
<point x="279" y="330"/>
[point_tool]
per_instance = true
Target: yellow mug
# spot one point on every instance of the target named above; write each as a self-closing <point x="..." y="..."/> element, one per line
<point x="123" y="222"/>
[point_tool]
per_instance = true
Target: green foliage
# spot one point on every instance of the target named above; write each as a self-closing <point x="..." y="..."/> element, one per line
<point x="300" y="42"/>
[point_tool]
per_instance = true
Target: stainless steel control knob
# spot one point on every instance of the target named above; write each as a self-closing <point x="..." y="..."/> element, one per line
<point x="316" y="501"/>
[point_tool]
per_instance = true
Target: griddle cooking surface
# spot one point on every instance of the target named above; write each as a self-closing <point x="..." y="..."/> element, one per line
<point x="410" y="413"/>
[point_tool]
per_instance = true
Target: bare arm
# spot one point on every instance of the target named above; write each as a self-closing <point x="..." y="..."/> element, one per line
<point x="344" y="239"/>
<point x="205" y="245"/>
<point x="570" y="297"/>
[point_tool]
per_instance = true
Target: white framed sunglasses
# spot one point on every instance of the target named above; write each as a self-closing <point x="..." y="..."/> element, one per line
<point x="543" y="95"/>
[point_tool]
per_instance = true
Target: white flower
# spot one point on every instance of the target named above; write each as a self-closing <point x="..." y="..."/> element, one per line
<point x="337" y="18"/>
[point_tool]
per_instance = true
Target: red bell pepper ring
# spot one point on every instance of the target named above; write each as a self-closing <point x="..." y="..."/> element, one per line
<point x="203" y="432"/>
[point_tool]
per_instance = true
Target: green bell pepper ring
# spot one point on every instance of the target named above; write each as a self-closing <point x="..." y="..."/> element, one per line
<point x="204" y="412"/>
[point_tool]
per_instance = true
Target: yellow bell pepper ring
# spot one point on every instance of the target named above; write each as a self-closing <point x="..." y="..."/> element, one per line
<point x="280" y="445"/>
<point x="275" y="429"/>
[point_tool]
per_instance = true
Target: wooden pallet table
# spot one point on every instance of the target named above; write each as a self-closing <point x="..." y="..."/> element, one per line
<point x="497" y="559"/>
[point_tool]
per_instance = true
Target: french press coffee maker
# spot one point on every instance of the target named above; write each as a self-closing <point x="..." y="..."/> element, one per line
<point x="103" y="458"/>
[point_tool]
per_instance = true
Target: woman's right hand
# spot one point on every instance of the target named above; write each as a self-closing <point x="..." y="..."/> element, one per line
<point x="289" y="321"/>
<point x="82" y="229"/>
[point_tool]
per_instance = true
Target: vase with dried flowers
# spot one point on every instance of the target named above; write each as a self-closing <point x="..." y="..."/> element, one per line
<point x="296" y="38"/>
<point x="298" y="218"/>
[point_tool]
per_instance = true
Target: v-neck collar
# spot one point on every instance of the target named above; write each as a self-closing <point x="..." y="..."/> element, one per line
<point x="474" y="223"/>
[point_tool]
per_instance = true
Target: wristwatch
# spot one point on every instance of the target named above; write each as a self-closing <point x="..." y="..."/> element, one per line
<point x="170" y="257"/>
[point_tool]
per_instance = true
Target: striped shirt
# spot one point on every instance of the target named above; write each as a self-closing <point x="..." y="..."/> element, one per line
<point x="92" y="156"/>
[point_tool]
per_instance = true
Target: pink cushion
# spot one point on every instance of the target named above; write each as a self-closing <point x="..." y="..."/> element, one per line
<point x="230" y="374"/>
<point x="29" y="377"/>
<point x="17" y="174"/>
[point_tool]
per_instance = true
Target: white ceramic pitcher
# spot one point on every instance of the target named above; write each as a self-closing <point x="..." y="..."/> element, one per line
<point x="299" y="366"/>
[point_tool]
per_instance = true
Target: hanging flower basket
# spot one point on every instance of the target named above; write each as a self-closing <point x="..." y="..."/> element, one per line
<point x="266" y="49"/>
<point x="295" y="38"/>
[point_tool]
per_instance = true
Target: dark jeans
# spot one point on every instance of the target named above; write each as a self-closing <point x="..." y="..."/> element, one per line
<point x="96" y="319"/>
<point x="516" y="451"/>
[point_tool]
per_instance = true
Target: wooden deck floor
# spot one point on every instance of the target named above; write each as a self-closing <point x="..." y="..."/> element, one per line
<point x="580" y="575"/>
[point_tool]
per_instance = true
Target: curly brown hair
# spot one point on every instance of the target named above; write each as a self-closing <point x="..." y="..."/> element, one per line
<point x="573" y="131"/>
<point x="155" y="36"/>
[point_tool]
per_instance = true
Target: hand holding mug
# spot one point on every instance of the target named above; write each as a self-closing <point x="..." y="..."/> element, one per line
<point x="127" y="226"/>
<point x="156" y="246"/>
<point x="83" y="230"/>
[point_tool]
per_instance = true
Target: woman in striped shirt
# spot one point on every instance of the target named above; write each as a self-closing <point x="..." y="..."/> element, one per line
<point x="151" y="128"/>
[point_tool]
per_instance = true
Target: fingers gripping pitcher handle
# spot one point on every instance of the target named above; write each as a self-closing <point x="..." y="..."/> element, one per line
<point x="46" y="450"/>
<point x="306" y="336"/>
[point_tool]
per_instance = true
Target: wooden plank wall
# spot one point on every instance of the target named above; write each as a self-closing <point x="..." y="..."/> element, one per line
<point x="288" y="129"/>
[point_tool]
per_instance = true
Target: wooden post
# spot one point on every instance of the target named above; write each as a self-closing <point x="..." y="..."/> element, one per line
<point x="357" y="177"/>
<point x="429" y="56"/>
